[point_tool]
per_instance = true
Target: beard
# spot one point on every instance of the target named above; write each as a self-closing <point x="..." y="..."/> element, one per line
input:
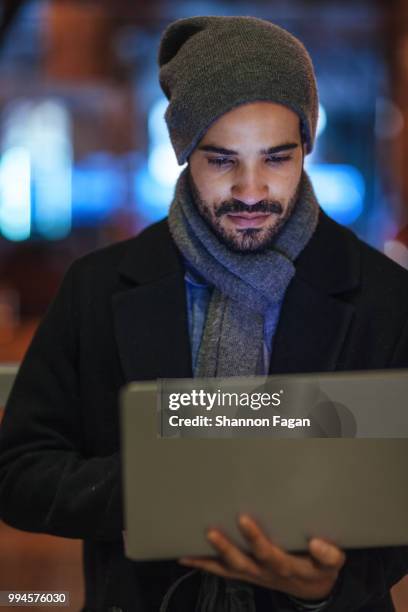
<point x="246" y="240"/>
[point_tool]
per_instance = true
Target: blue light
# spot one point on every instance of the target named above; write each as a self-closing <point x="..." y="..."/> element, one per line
<point x="15" y="194"/>
<point x="36" y="140"/>
<point x="153" y="199"/>
<point x="155" y="182"/>
<point x="321" y="121"/>
<point x="98" y="188"/>
<point x="340" y="189"/>
<point x="49" y="137"/>
<point x="156" y="123"/>
<point x="163" y="165"/>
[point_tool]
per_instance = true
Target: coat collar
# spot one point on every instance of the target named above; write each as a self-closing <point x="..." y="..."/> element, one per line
<point x="315" y="315"/>
<point x="150" y="256"/>
<point x="151" y="314"/>
<point x="330" y="262"/>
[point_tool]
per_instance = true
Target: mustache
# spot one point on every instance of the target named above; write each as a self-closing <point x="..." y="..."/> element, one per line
<point x="235" y="206"/>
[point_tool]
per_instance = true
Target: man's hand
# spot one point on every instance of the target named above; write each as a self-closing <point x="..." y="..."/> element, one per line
<point x="305" y="576"/>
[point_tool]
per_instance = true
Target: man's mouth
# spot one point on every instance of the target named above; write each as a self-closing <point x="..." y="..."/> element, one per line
<point x="245" y="220"/>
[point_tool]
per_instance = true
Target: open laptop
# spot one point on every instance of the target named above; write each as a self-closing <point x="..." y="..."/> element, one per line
<point x="346" y="485"/>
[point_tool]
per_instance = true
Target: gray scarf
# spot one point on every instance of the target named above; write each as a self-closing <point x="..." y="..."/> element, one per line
<point x="245" y="285"/>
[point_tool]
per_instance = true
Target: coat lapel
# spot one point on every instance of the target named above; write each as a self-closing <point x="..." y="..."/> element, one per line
<point x="311" y="331"/>
<point x="315" y="315"/>
<point x="150" y="315"/>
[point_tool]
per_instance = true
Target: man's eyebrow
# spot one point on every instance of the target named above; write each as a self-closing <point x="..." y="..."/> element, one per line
<point x="210" y="148"/>
<point x="287" y="146"/>
<point x="215" y="149"/>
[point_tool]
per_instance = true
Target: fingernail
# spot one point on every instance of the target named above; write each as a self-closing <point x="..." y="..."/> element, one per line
<point x="212" y="536"/>
<point x="244" y="520"/>
<point x="320" y="547"/>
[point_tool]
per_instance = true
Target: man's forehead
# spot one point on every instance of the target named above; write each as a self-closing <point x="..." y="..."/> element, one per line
<point x="261" y="125"/>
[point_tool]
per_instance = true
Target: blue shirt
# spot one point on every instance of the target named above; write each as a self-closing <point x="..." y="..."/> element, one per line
<point x="198" y="294"/>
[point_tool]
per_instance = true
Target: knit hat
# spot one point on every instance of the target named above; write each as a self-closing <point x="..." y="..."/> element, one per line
<point x="209" y="65"/>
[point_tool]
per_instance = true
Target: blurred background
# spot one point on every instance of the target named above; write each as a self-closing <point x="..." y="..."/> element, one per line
<point x="85" y="158"/>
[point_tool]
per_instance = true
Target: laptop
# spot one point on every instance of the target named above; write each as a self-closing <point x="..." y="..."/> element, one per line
<point x="8" y="372"/>
<point x="345" y="482"/>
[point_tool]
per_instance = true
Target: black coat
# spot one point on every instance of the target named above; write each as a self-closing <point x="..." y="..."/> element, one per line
<point x="120" y="315"/>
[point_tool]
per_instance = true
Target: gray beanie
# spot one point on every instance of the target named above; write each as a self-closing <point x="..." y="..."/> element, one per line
<point x="209" y="65"/>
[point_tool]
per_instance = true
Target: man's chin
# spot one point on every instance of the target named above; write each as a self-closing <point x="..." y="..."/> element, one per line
<point x="251" y="240"/>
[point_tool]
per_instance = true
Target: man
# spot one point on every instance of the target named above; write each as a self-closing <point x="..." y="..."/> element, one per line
<point x="246" y="276"/>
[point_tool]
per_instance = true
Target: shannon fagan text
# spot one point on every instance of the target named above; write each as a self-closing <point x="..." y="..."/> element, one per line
<point x="223" y="421"/>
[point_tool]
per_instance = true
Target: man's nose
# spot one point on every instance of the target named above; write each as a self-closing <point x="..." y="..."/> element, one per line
<point x="250" y="188"/>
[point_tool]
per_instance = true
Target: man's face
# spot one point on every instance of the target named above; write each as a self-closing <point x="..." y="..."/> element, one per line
<point x="245" y="174"/>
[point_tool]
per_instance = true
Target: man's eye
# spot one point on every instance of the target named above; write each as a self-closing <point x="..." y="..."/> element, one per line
<point x="276" y="159"/>
<point x="220" y="161"/>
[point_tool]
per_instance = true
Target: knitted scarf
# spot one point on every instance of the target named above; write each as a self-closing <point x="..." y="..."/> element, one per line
<point x="245" y="286"/>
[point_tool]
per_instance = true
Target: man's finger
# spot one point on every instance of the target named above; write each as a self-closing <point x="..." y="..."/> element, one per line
<point x="261" y="546"/>
<point x="326" y="554"/>
<point x="272" y="557"/>
<point x="233" y="557"/>
<point x="264" y="550"/>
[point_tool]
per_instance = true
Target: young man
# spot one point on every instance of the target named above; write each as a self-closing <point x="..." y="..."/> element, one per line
<point x="246" y="276"/>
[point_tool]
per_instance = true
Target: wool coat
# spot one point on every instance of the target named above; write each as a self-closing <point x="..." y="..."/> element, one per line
<point x="121" y="315"/>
